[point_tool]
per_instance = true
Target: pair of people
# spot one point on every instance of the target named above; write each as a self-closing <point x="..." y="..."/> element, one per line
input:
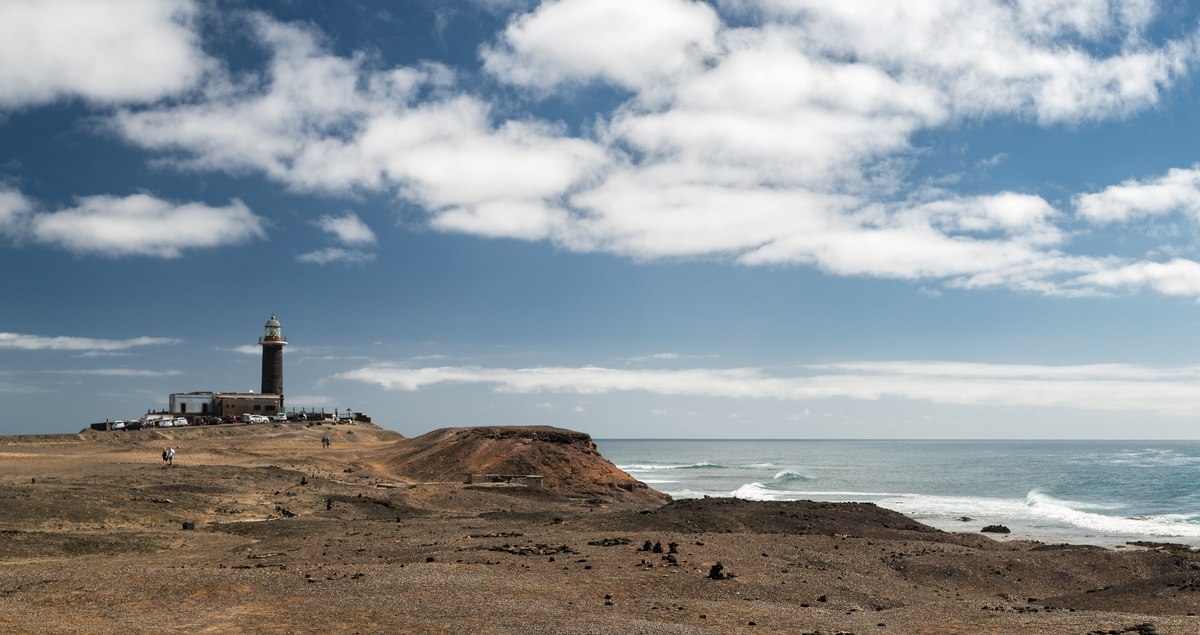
<point x="325" y="441"/>
<point x="168" y="456"/>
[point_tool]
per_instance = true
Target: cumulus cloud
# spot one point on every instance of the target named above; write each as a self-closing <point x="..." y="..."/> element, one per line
<point x="14" y="210"/>
<point x="1088" y="387"/>
<point x="319" y="122"/>
<point x="629" y="42"/>
<point x="1176" y="191"/>
<point x="106" y="52"/>
<point x="22" y="341"/>
<point x="776" y="136"/>
<point x="144" y="225"/>
<point x="1039" y="58"/>
<point x="1178" y="276"/>
<point x="348" y="229"/>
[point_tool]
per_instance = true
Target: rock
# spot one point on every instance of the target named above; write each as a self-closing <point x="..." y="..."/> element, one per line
<point x="189" y="525"/>
<point x="609" y="542"/>
<point x="718" y="572"/>
<point x="567" y="461"/>
<point x="996" y="529"/>
<point x="965" y="519"/>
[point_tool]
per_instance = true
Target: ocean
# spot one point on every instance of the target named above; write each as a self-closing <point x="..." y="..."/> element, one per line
<point x="1083" y="492"/>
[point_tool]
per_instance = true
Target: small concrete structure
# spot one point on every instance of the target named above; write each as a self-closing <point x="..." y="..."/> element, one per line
<point x="528" y="481"/>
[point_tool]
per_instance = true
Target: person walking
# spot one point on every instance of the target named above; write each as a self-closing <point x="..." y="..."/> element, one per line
<point x="170" y="456"/>
<point x="164" y="457"/>
<point x="325" y="441"/>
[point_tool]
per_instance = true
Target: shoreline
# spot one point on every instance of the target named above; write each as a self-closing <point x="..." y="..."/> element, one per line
<point x="1097" y="493"/>
<point x="261" y="529"/>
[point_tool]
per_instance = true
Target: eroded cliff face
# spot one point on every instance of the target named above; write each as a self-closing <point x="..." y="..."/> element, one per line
<point x="568" y="460"/>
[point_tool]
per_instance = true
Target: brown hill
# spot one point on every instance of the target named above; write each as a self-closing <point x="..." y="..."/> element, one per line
<point x="568" y="460"/>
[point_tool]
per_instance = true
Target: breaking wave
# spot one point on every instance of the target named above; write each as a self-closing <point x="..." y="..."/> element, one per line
<point x="788" y="475"/>
<point x="1076" y="514"/>
<point x="653" y="467"/>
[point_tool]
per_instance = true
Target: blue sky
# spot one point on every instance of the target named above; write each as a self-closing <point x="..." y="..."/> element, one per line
<point x="634" y="218"/>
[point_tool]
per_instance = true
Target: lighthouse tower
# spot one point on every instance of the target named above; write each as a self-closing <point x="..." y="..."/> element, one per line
<point x="272" y="343"/>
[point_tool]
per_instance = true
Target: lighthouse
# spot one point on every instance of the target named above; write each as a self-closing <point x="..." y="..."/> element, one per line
<point x="272" y="343"/>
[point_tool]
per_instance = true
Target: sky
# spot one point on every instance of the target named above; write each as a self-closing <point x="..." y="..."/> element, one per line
<point x="632" y="218"/>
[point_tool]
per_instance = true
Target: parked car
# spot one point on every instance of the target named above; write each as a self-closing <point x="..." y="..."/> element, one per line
<point x="166" y="423"/>
<point x="281" y="416"/>
<point x="181" y="421"/>
<point x="118" y="425"/>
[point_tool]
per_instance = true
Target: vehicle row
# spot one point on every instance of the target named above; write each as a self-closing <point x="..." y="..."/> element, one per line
<point x="138" y="424"/>
<point x="164" y="421"/>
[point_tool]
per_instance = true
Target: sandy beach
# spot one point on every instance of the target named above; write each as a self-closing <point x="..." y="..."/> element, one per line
<point x="259" y="529"/>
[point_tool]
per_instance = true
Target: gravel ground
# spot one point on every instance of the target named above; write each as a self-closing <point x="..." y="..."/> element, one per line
<point x="291" y="539"/>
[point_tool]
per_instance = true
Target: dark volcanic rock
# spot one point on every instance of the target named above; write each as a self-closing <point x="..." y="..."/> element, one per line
<point x="996" y="529"/>
<point x="699" y="515"/>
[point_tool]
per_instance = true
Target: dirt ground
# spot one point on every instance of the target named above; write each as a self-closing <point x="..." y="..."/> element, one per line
<point x="259" y="529"/>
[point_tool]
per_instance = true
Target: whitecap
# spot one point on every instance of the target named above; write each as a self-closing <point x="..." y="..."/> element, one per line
<point x="760" y="492"/>
<point x="1073" y="513"/>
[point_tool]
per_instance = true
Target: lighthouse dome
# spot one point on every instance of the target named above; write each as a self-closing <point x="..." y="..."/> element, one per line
<point x="272" y="330"/>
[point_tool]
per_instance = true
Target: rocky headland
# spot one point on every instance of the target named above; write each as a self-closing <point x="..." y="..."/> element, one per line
<point x="259" y="529"/>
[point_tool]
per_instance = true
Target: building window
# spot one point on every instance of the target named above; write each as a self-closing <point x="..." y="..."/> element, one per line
<point x="182" y="408"/>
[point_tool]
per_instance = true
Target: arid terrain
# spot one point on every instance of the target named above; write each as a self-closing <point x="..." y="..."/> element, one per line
<point x="259" y="529"/>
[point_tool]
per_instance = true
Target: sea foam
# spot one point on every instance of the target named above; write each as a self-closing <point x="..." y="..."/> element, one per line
<point x="1073" y="513"/>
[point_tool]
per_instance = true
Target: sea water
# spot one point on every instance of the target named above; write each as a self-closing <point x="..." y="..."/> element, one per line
<point x="1084" y="492"/>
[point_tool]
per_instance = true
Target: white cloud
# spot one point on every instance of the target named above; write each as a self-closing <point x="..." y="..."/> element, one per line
<point x="629" y="42"/>
<point x="780" y="141"/>
<point x="107" y="52"/>
<point x="247" y="349"/>
<point x="336" y="254"/>
<point x="348" y="229"/>
<point x="1087" y="387"/>
<point x="1178" y="276"/>
<point x="143" y="225"/>
<point x="991" y="56"/>
<point x="316" y="121"/>
<point x="1177" y="191"/>
<point x="21" y="341"/>
<point x="121" y="372"/>
<point x="14" y="211"/>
